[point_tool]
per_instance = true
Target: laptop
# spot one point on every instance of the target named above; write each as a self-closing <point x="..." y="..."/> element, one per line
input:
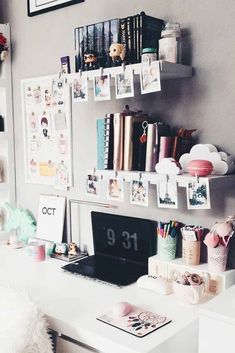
<point x="122" y="246"/>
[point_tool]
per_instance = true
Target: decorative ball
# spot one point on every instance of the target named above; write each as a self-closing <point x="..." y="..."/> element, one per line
<point x="224" y="229"/>
<point x="212" y="239"/>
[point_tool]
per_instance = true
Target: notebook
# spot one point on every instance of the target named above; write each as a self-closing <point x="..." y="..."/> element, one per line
<point x="104" y="128"/>
<point x="139" y="322"/>
<point x="122" y="246"/>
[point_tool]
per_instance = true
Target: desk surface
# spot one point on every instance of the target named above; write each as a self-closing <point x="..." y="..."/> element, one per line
<point x="72" y="304"/>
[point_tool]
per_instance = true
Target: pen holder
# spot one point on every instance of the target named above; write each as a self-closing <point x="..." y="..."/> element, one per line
<point x="191" y="252"/>
<point x="166" y="247"/>
<point x="217" y="258"/>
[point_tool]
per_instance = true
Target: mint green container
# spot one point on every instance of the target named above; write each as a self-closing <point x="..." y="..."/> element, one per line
<point x="166" y="248"/>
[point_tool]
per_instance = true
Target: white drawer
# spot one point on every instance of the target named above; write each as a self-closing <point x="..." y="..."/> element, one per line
<point x="64" y="346"/>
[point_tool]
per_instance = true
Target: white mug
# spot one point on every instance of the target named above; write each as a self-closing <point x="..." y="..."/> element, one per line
<point x="188" y="294"/>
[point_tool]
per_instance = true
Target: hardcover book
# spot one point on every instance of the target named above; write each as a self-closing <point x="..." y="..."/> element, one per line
<point x="108" y="141"/>
<point x="118" y="124"/>
<point x="149" y="147"/>
<point x="100" y="127"/>
<point x="149" y="31"/>
<point x="132" y="132"/>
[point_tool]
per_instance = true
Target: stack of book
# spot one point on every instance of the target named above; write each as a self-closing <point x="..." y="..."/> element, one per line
<point x="122" y="143"/>
<point x="134" y="32"/>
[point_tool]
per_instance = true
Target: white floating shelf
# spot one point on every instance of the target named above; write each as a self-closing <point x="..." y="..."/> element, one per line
<point x="167" y="71"/>
<point x="153" y="177"/>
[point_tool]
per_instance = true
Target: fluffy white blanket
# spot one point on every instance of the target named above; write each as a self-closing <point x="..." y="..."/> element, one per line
<point x="23" y="328"/>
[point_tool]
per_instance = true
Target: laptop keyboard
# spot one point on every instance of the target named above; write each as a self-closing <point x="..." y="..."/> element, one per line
<point x="109" y="270"/>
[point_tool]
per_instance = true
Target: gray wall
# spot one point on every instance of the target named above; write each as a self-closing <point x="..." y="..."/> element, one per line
<point x="205" y="101"/>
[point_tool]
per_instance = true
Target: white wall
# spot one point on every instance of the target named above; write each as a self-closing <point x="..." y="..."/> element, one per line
<point x="205" y="101"/>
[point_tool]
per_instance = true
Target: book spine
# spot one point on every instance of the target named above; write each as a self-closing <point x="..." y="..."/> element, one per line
<point x="76" y="49"/>
<point x="90" y="38"/>
<point x="128" y="145"/>
<point x="149" y="148"/>
<point x="108" y="142"/>
<point x="114" y="30"/>
<point x="100" y="135"/>
<point x="164" y="148"/>
<point x="123" y="35"/>
<point x="106" y="44"/>
<point x="134" y="40"/>
<point x="98" y="42"/>
<point x="155" y="147"/>
<point x="118" y="142"/>
<point x="81" y="48"/>
<point x="140" y="36"/>
<point x="130" y="40"/>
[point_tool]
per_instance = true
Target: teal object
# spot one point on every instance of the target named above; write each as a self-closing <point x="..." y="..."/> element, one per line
<point x="21" y="220"/>
<point x="166" y="248"/>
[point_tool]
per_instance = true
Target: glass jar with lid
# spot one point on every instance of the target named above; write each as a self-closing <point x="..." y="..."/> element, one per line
<point x="170" y="46"/>
<point x="148" y="55"/>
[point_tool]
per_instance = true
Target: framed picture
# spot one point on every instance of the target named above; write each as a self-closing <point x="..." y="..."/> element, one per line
<point x="36" y="7"/>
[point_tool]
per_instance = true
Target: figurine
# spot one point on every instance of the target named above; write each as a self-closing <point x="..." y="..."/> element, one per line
<point x="73" y="249"/>
<point x="117" y="53"/>
<point x="61" y="249"/>
<point x="90" y="60"/>
<point x="3" y="47"/>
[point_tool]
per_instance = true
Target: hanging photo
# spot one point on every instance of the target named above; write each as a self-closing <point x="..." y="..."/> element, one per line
<point x="124" y="86"/>
<point x="139" y="192"/>
<point x="167" y="194"/>
<point x="198" y="194"/>
<point x="80" y="89"/>
<point x="115" y="189"/>
<point x="92" y="185"/>
<point x="150" y="78"/>
<point x="102" y="88"/>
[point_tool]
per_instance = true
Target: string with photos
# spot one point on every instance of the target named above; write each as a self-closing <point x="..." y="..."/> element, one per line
<point x="108" y="73"/>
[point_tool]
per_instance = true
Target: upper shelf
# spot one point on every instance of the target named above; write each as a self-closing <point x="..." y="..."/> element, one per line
<point x="167" y="71"/>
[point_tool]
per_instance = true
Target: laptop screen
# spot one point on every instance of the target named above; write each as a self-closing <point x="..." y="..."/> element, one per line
<point x="123" y="237"/>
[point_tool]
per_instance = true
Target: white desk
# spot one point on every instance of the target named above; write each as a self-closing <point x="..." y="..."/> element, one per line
<point x="72" y="304"/>
<point x="217" y="324"/>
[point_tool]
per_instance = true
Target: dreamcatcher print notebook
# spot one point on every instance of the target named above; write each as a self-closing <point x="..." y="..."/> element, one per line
<point x="138" y="322"/>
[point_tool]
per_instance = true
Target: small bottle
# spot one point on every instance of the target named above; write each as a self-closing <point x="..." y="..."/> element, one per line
<point x="170" y="43"/>
<point x="148" y="55"/>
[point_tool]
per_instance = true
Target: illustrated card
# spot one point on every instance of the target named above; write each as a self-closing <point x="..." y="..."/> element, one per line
<point x="138" y="322"/>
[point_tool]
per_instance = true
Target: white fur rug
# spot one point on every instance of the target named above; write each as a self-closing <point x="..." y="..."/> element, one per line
<point x="23" y="328"/>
